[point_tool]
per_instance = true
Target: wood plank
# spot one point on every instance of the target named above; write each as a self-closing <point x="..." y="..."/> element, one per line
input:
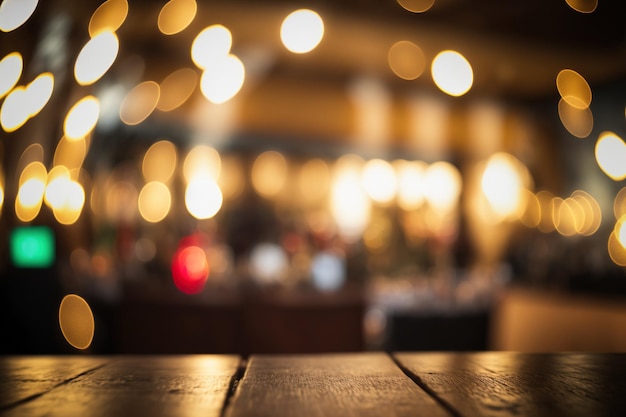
<point x="24" y="377"/>
<point x="195" y="385"/>
<point x="518" y="384"/>
<point x="362" y="384"/>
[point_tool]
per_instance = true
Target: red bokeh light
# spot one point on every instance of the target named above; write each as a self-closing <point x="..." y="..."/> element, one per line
<point x="190" y="269"/>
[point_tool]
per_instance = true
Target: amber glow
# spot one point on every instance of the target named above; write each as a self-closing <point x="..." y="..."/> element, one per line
<point x="616" y="249"/>
<point x="379" y="181"/>
<point x="211" y="44"/>
<point x="159" y="161"/>
<point x="223" y="79"/>
<point x="109" y="16"/>
<point x="269" y="174"/>
<point x="406" y="60"/>
<point x="154" y="201"/>
<point x="443" y="186"/>
<point x="619" y="204"/>
<point x="411" y="183"/>
<point x="416" y="6"/>
<point x="177" y="88"/>
<point x="202" y="160"/>
<point x="502" y="183"/>
<point x="81" y="118"/>
<point x="349" y="204"/>
<point x="14" y="111"/>
<point x="176" y="15"/>
<point x="314" y="180"/>
<point x="14" y="13"/>
<point x="583" y="6"/>
<point x="140" y="102"/>
<point x="96" y="57"/>
<point x="203" y="197"/>
<point x="573" y="88"/>
<point x="611" y="155"/>
<point x="76" y="321"/>
<point x="577" y="120"/>
<point x="32" y="185"/>
<point x="452" y="73"/>
<point x="301" y="31"/>
<point x="70" y="153"/>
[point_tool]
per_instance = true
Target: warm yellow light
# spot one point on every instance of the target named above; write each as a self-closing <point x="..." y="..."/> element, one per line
<point x="620" y="231"/>
<point x="96" y="57"/>
<point x="202" y="160"/>
<point x="406" y="60"/>
<point x="577" y="120"/>
<point x="592" y="218"/>
<point x="411" y="183"/>
<point x="140" y="102"/>
<point x="159" y="162"/>
<point x="617" y="251"/>
<point x="74" y="200"/>
<point x="118" y="201"/>
<point x="11" y="67"/>
<point x="573" y="88"/>
<point x="269" y="173"/>
<point x="314" y="180"/>
<point x="349" y="204"/>
<point x="212" y="44"/>
<point x="619" y="204"/>
<point x="82" y="118"/>
<point x="442" y="186"/>
<point x="76" y="321"/>
<point x="416" y="6"/>
<point x="39" y="92"/>
<point x="222" y="80"/>
<point x="502" y="184"/>
<point x="568" y="216"/>
<point x="31" y="192"/>
<point x="109" y="16"/>
<point x="32" y="184"/>
<point x="154" y="201"/>
<point x="203" y="197"/>
<point x="176" y="15"/>
<point x="583" y="6"/>
<point x="379" y="181"/>
<point x="70" y="153"/>
<point x="57" y="186"/>
<point x="177" y="88"/>
<point x="532" y="210"/>
<point x="15" y="110"/>
<point x="452" y="73"/>
<point x="14" y="13"/>
<point x="611" y="155"/>
<point x="232" y="180"/>
<point x="301" y="31"/>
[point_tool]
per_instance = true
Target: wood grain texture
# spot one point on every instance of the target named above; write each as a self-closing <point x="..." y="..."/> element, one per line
<point x="25" y="377"/>
<point x="516" y="384"/>
<point x="364" y="384"/>
<point x="195" y="385"/>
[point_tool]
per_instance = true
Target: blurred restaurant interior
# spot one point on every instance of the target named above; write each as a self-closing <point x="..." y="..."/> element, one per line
<point x="203" y="176"/>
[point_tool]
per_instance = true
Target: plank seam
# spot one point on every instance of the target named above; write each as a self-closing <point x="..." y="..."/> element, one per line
<point x="420" y="383"/>
<point x="233" y="385"/>
<point x="40" y="394"/>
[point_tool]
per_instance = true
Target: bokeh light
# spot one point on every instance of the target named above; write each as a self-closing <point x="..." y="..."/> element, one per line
<point x="76" y="321"/>
<point x="109" y="16"/>
<point x="39" y="92"/>
<point x="617" y="251"/>
<point x="11" y="67"/>
<point x="15" y="110"/>
<point x="379" y="181"/>
<point x="583" y="6"/>
<point x="176" y="89"/>
<point x="233" y="180"/>
<point x="411" y="183"/>
<point x="452" y="73"/>
<point x="502" y="183"/>
<point x="202" y="160"/>
<point x="328" y="271"/>
<point x="32" y="185"/>
<point x="314" y="180"/>
<point x="406" y="60"/>
<point x="349" y="204"/>
<point x="269" y="173"/>
<point x="573" y="88"/>
<point x="70" y="153"/>
<point x="176" y="15"/>
<point x="190" y="269"/>
<point x="154" y="201"/>
<point x="140" y="102"/>
<point x="203" y="197"/>
<point x="577" y="120"/>
<point x="268" y="263"/>
<point x="619" y="203"/>
<point x="416" y="6"/>
<point x="223" y="79"/>
<point x="301" y="31"/>
<point x="14" y="13"/>
<point x="610" y="154"/>
<point x="212" y="44"/>
<point x="82" y="118"/>
<point x="159" y="161"/>
<point x="96" y="57"/>
<point x="442" y="186"/>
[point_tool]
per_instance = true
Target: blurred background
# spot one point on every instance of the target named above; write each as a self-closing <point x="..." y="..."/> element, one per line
<point x="312" y="176"/>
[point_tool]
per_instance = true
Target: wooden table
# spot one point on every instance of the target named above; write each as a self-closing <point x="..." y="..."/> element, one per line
<point x="358" y="384"/>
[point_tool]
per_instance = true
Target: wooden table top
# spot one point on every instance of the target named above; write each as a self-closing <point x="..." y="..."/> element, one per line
<point x="351" y="384"/>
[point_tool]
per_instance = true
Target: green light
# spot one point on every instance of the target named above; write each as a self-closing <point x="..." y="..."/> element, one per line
<point x="32" y="247"/>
